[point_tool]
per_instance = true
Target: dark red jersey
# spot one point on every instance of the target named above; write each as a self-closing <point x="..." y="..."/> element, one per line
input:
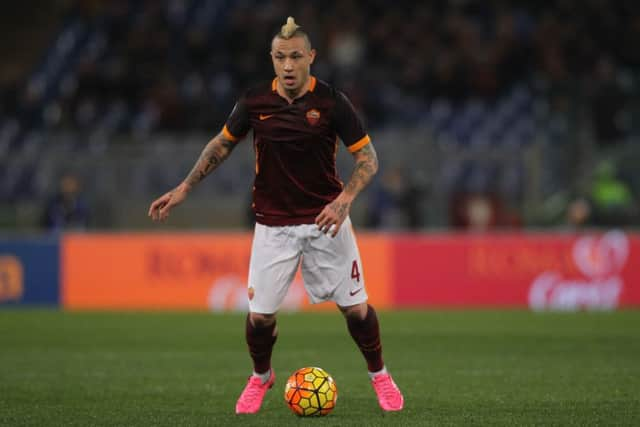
<point x="295" y="146"/>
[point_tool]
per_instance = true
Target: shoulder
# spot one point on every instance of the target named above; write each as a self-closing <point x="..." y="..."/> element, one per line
<point x="325" y="89"/>
<point x="339" y="101"/>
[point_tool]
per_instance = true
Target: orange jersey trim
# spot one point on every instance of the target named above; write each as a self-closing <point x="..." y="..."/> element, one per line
<point x="229" y="135"/>
<point x="312" y="84"/>
<point x="359" y="144"/>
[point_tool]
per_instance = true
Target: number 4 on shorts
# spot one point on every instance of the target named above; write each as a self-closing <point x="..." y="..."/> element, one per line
<point x="355" y="273"/>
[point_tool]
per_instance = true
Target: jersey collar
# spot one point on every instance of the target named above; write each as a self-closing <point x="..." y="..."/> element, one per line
<point x="312" y="84"/>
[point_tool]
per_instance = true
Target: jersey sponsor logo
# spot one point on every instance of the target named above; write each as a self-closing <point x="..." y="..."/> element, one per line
<point x="313" y="117"/>
<point x="352" y="293"/>
<point x="265" y="116"/>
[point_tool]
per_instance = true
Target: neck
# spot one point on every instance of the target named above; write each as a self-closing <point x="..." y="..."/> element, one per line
<point x="290" y="95"/>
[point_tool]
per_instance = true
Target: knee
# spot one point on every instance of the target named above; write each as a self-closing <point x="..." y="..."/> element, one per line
<point x="355" y="312"/>
<point x="261" y="320"/>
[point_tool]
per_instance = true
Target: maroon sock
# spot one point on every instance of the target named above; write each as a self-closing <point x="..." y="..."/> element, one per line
<point x="260" y="341"/>
<point x="366" y="333"/>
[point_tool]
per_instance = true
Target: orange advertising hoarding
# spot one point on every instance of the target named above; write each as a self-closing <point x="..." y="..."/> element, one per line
<point x="186" y="271"/>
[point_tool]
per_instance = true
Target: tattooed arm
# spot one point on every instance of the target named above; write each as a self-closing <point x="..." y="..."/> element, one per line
<point x="213" y="154"/>
<point x="336" y="212"/>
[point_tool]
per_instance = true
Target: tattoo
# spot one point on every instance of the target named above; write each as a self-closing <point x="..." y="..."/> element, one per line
<point x="215" y="152"/>
<point x="366" y="166"/>
<point x="340" y="209"/>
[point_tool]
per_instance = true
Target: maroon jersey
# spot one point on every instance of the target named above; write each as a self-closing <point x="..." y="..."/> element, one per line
<point x="295" y="146"/>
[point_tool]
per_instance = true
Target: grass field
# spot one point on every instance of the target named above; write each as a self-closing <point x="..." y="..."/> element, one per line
<point x="187" y="369"/>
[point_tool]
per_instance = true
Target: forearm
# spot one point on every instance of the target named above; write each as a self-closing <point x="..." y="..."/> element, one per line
<point x="213" y="154"/>
<point x="365" y="168"/>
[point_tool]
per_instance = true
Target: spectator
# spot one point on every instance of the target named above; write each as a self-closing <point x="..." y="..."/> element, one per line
<point x="393" y="204"/>
<point x="481" y="212"/>
<point x="610" y="202"/>
<point x="67" y="209"/>
<point x="456" y="50"/>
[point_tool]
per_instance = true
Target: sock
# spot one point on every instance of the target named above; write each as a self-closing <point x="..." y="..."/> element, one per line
<point x="375" y="374"/>
<point x="366" y="334"/>
<point x="260" y="341"/>
<point x="263" y="377"/>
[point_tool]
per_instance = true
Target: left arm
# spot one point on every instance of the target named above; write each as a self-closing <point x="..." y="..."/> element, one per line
<point x="336" y="212"/>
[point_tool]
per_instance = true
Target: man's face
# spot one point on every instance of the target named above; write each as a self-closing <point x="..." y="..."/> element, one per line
<point x="292" y="61"/>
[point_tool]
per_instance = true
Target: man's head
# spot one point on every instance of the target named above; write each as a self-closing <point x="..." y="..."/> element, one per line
<point x="292" y="57"/>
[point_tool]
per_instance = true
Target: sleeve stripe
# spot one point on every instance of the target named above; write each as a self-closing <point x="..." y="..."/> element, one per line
<point x="359" y="144"/>
<point x="228" y="135"/>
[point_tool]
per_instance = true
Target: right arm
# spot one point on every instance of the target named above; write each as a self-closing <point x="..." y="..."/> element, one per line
<point x="213" y="154"/>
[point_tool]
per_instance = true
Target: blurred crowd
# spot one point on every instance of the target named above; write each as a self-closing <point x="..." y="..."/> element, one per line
<point x="176" y="65"/>
<point x="472" y="71"/>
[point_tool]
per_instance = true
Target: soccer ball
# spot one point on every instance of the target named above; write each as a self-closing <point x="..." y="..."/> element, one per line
<point x="310" y="392"/>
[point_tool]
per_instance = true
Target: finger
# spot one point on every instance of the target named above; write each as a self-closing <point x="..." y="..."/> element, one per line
<point x="321" y="216"/>
<point x="336" y="229"/>
<point x="322" y="222"/>
<point x="156" y="213"/>
<point x="154" y="210"/>
<point x="325" y="223"/>
<point x="158" y="204"/>
<point x="153" y="207"/>
<point x="164" y="211"/>
<point x="328" y="226"/>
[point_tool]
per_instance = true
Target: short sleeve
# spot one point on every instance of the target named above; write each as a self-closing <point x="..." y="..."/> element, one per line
<point x="237" y="124"/>
<point x="349" y="126"/>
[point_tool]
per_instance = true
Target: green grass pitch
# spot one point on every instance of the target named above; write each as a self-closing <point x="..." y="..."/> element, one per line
<point x="187" y="369"/>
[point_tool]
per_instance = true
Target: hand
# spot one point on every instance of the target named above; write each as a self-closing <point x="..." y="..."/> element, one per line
<point x="159" y="209"/>
<point x="334" y="214"/>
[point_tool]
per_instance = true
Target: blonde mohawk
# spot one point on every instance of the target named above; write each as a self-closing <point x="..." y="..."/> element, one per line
<point x="289" y="29"/>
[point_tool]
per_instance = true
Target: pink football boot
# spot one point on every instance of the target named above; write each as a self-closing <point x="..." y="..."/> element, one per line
<point x="251" y="398"/>
<point x="389" y="395"/>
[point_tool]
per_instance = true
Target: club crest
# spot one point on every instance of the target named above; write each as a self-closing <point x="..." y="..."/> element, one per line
<point x="313" y="117"/>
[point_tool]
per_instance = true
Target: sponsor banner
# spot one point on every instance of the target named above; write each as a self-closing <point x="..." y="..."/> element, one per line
<point x="185" y="271"/>
<point x="29" y="272"/>
<point x="544" y="272"/>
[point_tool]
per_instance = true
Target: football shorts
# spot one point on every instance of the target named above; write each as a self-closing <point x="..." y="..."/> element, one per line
<point x="331" y="266"/>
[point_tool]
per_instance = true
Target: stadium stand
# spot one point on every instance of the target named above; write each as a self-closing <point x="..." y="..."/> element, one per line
<point x="483" y="96"/>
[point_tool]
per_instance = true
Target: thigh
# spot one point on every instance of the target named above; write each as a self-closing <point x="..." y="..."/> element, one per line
<point x="275" y="256"/>
<point x="332" y="269"/>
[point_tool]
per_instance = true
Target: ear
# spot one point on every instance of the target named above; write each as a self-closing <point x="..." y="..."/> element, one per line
<point x="312" y="53"/>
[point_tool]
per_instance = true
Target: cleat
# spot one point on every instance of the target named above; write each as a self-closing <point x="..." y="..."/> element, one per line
<point x="389" y="395"/>
<point x="251" y="398"/>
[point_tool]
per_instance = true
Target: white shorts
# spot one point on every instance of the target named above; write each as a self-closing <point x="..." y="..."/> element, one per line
<point x="331" y="266"/>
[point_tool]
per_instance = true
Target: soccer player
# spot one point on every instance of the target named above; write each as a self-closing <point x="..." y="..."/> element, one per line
<point x="301" y="207"/>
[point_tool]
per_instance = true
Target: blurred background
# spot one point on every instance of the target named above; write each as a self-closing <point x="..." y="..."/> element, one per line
<point x="509" y="185"/>
<point x="485" y="114"/>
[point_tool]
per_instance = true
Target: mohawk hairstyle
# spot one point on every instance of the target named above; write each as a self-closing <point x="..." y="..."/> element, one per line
<point x="290" y="30"/>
